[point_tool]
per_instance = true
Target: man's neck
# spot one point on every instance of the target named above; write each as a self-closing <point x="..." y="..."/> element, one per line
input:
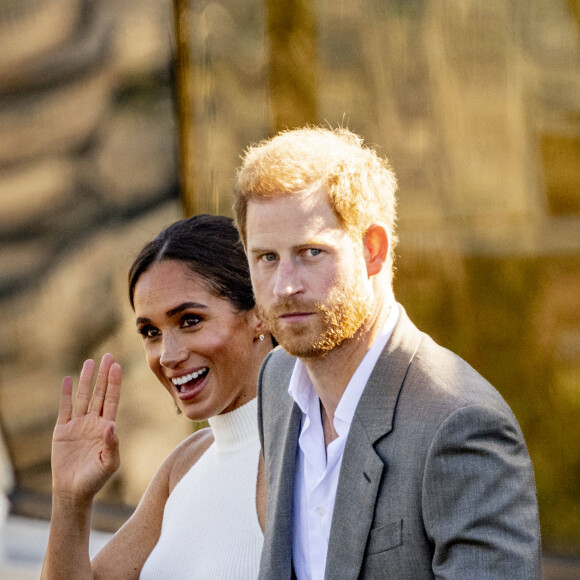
<point x="331" y="374"/>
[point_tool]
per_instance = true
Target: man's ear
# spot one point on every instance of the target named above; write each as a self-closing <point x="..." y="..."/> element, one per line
<point x="376" y="248"/>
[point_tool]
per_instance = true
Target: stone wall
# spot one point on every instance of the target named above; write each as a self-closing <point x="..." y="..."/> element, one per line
<point x="476" y="103"/>
<point x="87" y="175"/>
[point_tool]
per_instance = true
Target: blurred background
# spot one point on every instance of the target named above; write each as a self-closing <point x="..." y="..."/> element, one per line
<point x="119" y="118"/>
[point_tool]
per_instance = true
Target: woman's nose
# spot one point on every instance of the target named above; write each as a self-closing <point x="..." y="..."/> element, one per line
<point x="173" y="352"/>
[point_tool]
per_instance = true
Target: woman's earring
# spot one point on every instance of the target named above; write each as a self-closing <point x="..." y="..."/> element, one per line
<point x="261" y="337"/>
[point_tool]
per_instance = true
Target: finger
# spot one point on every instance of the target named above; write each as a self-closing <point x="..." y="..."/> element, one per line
<point x="65" y="409"/>
<point x="84" y="390"/>
<point x="100" y="391"/>
<point x="113" y="392"/>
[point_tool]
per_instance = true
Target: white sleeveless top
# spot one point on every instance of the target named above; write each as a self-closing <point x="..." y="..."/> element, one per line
<point x="210" y="524"/>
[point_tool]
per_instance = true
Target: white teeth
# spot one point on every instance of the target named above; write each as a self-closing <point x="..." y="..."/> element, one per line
<point x="186" y="378"/>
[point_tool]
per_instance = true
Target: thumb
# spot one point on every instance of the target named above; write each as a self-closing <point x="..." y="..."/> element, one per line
<point x="110" y="454"/>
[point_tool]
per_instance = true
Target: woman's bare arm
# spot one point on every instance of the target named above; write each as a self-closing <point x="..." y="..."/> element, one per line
<point x="85" y="453"/>
<point x="124" y="556"/>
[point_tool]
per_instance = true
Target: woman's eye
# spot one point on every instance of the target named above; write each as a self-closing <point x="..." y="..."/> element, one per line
<point x="269" y="257"/>
<point x="190" y="320"/>
<point x="148" y="331"/>
<point x="313" y="252"/>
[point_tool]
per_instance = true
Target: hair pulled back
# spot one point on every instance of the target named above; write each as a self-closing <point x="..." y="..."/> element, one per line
<point x="209" y="246"/>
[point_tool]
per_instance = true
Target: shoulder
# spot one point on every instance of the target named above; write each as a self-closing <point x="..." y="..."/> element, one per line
<point x="277" y="367"/>
<point x="451" y="379"/>
<point x="274" y="401"/>
<point x="431" y="377"/>
<point x="186" y="455"/>
<point x="274" y="379"/>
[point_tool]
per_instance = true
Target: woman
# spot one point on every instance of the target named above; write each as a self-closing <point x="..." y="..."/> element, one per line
<point x="203" y="513"/>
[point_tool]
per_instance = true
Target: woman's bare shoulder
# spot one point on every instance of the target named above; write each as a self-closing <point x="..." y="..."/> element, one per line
<point x="187" y="454"/>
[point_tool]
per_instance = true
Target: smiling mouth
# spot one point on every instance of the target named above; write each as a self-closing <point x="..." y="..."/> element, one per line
<point x="190" y="381"/>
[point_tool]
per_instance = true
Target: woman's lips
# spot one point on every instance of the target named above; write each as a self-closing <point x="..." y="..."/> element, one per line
<point x="188" y="386"/>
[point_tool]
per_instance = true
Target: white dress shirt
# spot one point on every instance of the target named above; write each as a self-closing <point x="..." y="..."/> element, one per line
<point x="317" y="468"/>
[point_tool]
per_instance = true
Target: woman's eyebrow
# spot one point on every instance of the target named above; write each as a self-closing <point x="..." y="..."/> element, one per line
<point x="174" y="311"/>
<point x="184" y="306"/>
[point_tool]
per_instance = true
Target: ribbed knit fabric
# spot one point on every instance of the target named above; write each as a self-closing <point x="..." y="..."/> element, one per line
<point x="210" y="527"/>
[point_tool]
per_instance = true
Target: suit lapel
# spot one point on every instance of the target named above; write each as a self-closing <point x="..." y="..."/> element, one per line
<point x="278" y="535"/>
<point x="362" y="468"/>
<point x="358" y="486"/>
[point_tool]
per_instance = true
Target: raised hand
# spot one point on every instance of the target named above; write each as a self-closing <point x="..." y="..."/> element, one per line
<point x="85" y="447"/>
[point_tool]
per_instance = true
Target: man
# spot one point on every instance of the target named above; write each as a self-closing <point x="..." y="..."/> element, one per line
<point x="387" y="456"/>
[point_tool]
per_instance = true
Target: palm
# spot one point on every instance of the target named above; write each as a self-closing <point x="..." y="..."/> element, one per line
<point x="82" y="455"/>
<point x="85" y="449"/>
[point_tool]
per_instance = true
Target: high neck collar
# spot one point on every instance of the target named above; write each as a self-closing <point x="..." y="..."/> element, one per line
<point x="235" y="429"/>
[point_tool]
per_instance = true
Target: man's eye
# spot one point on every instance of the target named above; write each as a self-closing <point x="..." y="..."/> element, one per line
<point x="148" y="331"/>
<point x="269" y="257"/>
<point x="313" y="252"/>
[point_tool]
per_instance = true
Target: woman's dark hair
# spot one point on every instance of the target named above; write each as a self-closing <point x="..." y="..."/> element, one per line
<point x="210" y="246"/>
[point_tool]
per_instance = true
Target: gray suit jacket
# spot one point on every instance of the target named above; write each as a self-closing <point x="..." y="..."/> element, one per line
<point x="436" y="481"/>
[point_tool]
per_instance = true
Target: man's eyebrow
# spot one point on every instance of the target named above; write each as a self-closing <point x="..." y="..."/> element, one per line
<point x="257" y="250"/>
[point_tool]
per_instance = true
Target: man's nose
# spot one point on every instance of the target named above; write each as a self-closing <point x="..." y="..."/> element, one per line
<point x="287" y="279"/>
<point x="174" y="351"/>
